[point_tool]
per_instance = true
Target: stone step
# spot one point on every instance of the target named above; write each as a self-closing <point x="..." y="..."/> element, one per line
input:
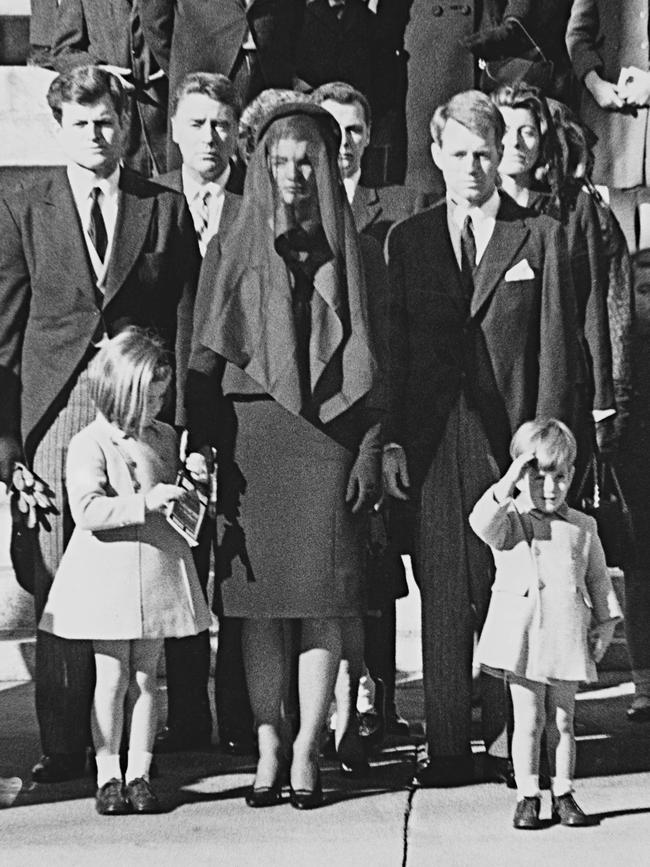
<point x="14" y="32"/>
<point x="17" y="655"/>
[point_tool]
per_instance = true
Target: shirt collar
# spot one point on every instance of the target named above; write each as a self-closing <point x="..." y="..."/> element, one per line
<point x="192" y="188"/>
<point x="351" y="185"/>
<point x="479" y="214"/>
<point x="84" y="181"/>
<point x="525" y="505"/>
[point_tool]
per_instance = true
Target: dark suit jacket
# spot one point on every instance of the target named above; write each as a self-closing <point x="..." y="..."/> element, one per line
<point x="50" y="311"/>
<point x="90" y="32"/>
<point x="232" y="201"/>
<point x="232" y="198"/>
<point x="589" y="268"/>
<point x="195" y="35"/>
<point x="375" y="209"/>
<point x="515" y="345"/>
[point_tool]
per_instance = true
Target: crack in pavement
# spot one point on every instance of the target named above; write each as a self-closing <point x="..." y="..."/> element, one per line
<point x="407" y="812"/>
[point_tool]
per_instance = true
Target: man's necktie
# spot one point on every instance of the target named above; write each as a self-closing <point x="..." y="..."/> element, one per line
<point x="201" y="215"/>
<point x="97" y="226"/>
<point x="468" y="255"/>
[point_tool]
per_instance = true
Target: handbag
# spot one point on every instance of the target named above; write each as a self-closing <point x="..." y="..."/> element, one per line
<point x="600" y="495"/>
<point x="537" y="72"/>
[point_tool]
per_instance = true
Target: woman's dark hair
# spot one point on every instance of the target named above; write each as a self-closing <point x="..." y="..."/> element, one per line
<point x="546" y="173"/>
<point x="565" y="158"/>
<point x="575" y="141"/>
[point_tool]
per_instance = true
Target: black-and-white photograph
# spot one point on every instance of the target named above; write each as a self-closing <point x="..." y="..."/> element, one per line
<point x="324" y="432"/>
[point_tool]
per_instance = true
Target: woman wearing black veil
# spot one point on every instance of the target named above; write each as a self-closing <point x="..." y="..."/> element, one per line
<point x="284" y="383"/>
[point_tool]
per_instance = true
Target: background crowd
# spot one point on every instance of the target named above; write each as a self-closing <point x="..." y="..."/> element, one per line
<point x="234" y="181"/>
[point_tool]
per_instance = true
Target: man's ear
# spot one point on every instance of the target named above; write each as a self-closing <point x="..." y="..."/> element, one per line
<point x="172" y="124"/>
<point x="436" y="154"/>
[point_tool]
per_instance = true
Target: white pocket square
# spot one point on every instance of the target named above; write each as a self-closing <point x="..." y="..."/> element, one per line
<point x="520" y="271"/>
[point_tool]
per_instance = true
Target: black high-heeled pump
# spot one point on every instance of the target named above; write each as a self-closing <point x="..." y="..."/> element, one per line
<point x="307" y="799"/>
<point x="265" y="796"/>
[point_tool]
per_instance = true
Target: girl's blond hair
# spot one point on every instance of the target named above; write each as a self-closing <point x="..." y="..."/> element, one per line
<point x="122" y="373"/>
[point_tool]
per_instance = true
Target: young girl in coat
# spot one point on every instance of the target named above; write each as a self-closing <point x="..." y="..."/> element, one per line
<point x="552" y="613"/>
<point x="127" y="578"/>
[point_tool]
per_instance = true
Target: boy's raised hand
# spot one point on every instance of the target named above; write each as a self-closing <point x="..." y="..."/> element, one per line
<point x="505" y="488"/>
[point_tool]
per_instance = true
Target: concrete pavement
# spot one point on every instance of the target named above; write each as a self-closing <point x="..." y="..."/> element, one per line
<point x="379" y="821"/>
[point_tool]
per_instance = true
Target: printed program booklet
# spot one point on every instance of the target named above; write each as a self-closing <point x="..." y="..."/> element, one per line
<point x="186" y="514"/>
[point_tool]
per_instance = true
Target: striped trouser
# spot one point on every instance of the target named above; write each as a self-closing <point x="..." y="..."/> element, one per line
<point x="454" y="571"/>
<point x="64" y="668"/>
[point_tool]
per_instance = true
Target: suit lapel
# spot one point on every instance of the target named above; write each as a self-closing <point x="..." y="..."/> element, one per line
<point x="229" y="212"/>
<point x="133" y="218"/>
<point x="444" y="263"/>
<point x="507" y="240"/>
<point x="59" y="213"/>
<point x="366" y="207"/>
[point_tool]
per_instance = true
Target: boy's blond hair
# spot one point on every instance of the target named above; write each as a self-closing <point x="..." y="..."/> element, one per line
<point x="551" y="440"/>
<point x="121" y="374"/>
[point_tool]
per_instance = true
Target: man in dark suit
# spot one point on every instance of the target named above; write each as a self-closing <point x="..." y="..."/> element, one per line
<point x="483" y="328"/>
<point x="90" y="32"/>
<point x="91" y="249"/>
<point x="250" y="41"/>
<point x="205" y="116"/>
<point x="375" y="209"/>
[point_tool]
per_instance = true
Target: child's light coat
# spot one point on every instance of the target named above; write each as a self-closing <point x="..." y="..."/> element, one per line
<point x="547" y="592"/>
<point x="124" y="574"/>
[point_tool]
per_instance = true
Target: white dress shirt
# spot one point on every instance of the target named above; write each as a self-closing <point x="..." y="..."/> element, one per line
<point x="351" y="185"/>
<point x="82" y="183"/>
<point x="194" y="192"/>
<point x="483" y="219"/>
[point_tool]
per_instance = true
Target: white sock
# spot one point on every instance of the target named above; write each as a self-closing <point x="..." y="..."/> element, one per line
<point x="527" y="786"/>
<point x="561" y="786"/>
<point x="108" y="768"/>
<point x="139" y="764"/>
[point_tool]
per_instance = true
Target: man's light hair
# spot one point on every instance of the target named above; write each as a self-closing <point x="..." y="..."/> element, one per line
<point x="472" y="109"/>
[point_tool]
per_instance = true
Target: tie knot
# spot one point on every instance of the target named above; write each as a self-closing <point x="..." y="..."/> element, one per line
<point x="95" y="193"/>
<point x="467" y="224"/>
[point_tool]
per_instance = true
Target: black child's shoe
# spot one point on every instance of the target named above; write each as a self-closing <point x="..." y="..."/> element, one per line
<point x="526" y="816"/>
<point x="141" y="796"/>
<point x="567" y="812"/>
<point x="111" y="799"/>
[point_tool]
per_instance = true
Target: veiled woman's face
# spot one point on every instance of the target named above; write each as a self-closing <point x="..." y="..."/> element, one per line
<point x="293" y="171"/>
